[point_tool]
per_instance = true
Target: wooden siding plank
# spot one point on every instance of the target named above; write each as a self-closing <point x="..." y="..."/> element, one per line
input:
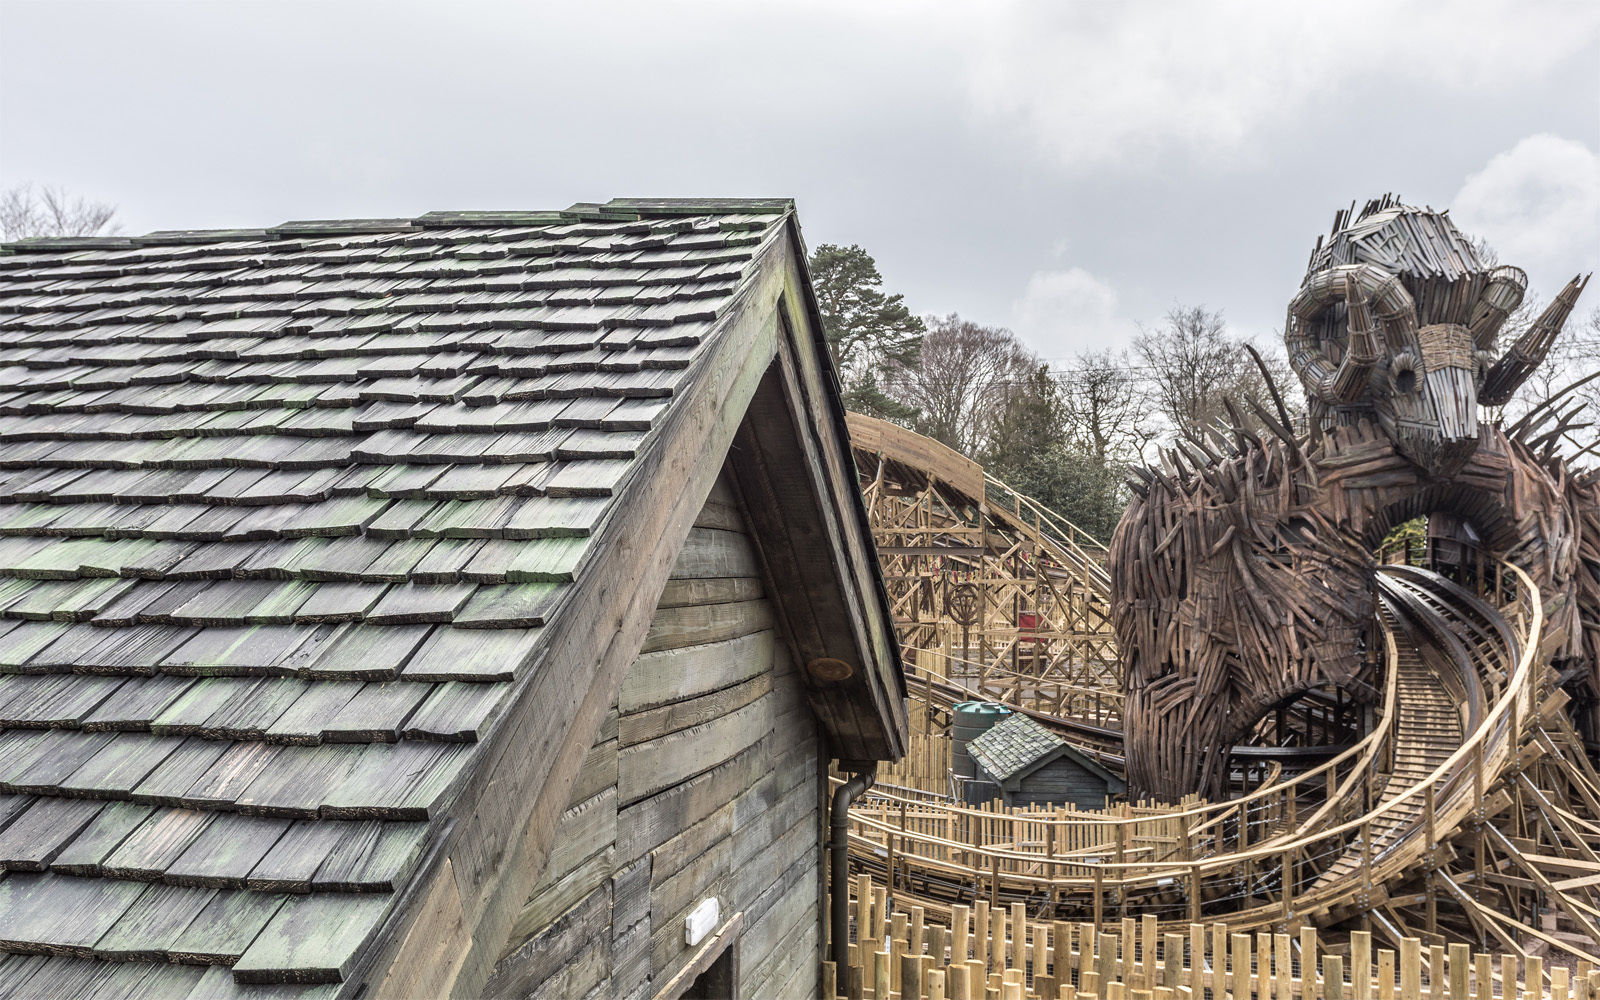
<point x="680" y="593"/>
<point x="646" y="768"/>
<point x="650" y="822"/>
<point x="696" y="625"/>
<point x="654" y="723"/>
<point x="566" y="949"/>
<point x="673" y="675"/>
<point x="712" y="553"/>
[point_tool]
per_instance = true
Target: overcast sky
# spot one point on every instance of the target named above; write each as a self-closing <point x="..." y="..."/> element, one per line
<point x="1068" y="169"/>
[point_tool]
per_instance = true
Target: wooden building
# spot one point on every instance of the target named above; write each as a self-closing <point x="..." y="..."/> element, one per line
<point x="1033" y="766"/>
<point x="452" y="605"/>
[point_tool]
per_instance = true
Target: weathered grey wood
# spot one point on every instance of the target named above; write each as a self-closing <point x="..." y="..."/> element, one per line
<point x="83" y="856"/>
<point x="650" y="724"/>
<point x="119" y="768"/>
<point x="150" y="927"/>
<point x="674" y="894"/>
<point x="312" y="938"/>
<point x="586" y="828"/>
<point x="228" y="924"/>
<point x="695" y="625"/>
<point x="673" y="675"/>
<point x="58" y="915"/>
<point x="555" y="897"/>
<point x="704" y="956"/>
<point x="630" y="959"/>
<point x="371" y="857"/>
<point x="599" y="771"/>
<point x="40" y="833"/>
<point x="304" y="721"/>
<point x="721" y="512"/>
<point x="645" y="824"/>
<point x="156" y="843"/>
<point x="560" y="946"/>
<point x="646" y="768"/>
<point x="714" y="553"/>
<point x="809" y="549"/>
<point x="292" y="860"/>
<point x="226" y="851"/>
<point x="630" y="926"/>
<point x="490" y="861"/>
<point x="677" y="853"/>
<point x="782" y="926"/>
<point x="679" y="593"/>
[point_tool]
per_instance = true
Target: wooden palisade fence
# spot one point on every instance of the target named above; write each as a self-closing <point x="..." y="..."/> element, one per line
<point x="997" y="953"/>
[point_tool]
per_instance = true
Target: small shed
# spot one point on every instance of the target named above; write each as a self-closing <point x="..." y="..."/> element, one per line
<point x="461" y="605"/>
<point x="1034" y="766"/>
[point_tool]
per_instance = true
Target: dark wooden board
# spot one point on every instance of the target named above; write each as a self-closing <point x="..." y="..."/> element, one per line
<point x="59" y="915"/>
<point x="376" y="713"/>
<point x="33" y="839"/>
<point x="157" y="842"/>
<point x="111" y="825"/>
<point x="312" y="939"/>
<point x="150" y="927"/>
<point x="226" y="927"/>
<point x="455" y="710"/>
<point x="225" y="852"/>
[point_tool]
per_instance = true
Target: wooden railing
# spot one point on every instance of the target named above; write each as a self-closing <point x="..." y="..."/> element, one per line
<point x="1255" y="856"/>
<point x="1028" y="513"/>
<point x="989" y="952"/>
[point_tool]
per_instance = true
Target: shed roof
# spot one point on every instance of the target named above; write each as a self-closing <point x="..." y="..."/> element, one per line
<point x="1015" y="748"/>
<point x="286" y="516"/>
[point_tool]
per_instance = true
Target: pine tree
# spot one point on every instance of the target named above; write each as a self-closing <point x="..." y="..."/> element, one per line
<point x="869" y="332"/>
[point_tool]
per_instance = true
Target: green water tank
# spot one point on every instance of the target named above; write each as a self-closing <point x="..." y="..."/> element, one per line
<point x="968" y="721"/>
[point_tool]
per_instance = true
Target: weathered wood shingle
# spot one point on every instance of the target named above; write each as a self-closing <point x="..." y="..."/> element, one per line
<point x="282" y="516"/>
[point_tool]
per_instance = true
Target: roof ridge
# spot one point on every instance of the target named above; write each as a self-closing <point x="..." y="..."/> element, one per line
<point x="615" y="210"/>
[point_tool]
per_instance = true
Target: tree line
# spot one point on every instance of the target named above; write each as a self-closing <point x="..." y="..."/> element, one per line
<point x="1065" y="437"/>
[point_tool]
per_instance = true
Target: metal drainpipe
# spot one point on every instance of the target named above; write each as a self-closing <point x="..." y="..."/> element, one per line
<point x="839" y="845"/>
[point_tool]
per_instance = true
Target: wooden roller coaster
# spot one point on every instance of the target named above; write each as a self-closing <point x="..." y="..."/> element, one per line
<point x="1427" y="784"/>
<point x="1471" y="787"/>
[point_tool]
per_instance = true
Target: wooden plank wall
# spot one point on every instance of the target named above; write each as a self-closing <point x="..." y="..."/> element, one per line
<point x="707" y="779"/>
<point x="1061" y="780"/>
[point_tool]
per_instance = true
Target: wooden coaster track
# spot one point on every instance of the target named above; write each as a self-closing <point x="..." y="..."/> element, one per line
<point x="1469" y="787"/>
<point x="988" y="587"/>
<point x="1342" y="839"/>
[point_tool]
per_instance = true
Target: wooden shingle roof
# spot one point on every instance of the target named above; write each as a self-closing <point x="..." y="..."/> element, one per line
<point x="1017" y="747"/>
<point x="283" y="516"/>
<point x="1012" y="746"/>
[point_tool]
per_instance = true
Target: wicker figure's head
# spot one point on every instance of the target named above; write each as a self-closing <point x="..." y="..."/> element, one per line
<point x="1398" y="319"/>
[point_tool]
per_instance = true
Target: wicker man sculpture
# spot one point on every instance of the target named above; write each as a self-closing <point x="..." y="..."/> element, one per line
<point x="1242" y="573"/>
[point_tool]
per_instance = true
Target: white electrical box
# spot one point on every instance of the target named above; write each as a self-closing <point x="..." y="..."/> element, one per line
<point x="702" y="920"/>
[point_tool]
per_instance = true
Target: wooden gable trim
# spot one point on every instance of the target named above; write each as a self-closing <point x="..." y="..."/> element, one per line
<point x="507" y="810"/>
<point x="1014" y="783"/>
<point x="825" y="610"/>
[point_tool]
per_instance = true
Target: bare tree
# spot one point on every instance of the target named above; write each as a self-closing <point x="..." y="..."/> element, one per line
<point x="1105" y="409"/>
<point x="51" y="211"/>
<point x="1576" y="355"/>
<point x="963" y="375"/>
<point x="1194" y="363"/>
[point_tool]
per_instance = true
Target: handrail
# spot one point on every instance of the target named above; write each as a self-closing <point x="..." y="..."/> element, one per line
<point x="1487" y="746"/>
<point x="1359" y="748"/>
<point x="1069" y="538"/>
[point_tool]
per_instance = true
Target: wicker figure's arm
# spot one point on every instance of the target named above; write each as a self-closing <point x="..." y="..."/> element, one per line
<point x="1507" y="375"/>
